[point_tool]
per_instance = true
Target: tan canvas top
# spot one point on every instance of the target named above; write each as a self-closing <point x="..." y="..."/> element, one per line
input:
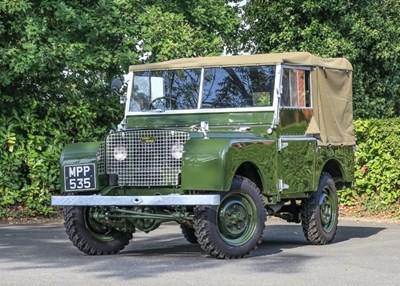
<point x="297" y="58"/>
<point x="332" y="121"/>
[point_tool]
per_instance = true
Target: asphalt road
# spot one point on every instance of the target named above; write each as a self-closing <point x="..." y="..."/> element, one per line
<point x="363" y="253"/>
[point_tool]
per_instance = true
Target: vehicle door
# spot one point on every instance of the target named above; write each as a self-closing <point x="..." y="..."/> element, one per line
<point x="296" y="150"/>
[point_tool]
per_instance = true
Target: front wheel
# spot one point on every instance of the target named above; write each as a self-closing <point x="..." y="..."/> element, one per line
<point x="89" y="235"/>
<point x="320" y="212"/>
<point x="235" y="227"/>
<point x="189" y="233"/>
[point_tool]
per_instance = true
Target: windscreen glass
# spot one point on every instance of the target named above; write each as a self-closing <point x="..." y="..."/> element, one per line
<point x="233" y="87"/>
<point x="228" y="87"/>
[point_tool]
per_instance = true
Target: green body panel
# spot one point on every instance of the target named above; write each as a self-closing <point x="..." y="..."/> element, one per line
<point x="294" y="121"/>
<point x="216" y="120"/>
<point x="301" y="164"/>
<point x="210" y="164"/>
<point x="342" y="156"/>
<point x="262" y="156"/>
<point x="296" y="167"/>
<point x="79" y="153"/>
<point x="203" y="164"/>
<point x="82" y="153"/>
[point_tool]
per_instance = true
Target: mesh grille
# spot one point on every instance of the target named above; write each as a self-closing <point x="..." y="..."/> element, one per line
<point x="101" y="165"/>
<point x="149" y="160"/>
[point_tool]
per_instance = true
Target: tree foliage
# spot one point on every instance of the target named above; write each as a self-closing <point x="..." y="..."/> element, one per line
<point x="57" y="59"/>
<point x="50" y="46"/>
<point x="366" y="32"/>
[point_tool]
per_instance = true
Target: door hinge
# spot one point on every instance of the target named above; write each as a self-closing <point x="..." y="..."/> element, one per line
<point x="281" y="144"/>
<point x="282" y="186"/>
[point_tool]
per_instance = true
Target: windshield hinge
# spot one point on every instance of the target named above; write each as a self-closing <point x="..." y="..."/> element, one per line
<point x="122" y="125"/>
<point x="203" y="128"/>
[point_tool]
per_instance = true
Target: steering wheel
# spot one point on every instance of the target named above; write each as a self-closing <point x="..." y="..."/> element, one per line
<point x="161" y="103"/>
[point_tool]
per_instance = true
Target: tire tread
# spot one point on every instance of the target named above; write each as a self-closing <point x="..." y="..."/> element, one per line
<point x="202" y="227"/>
<point x="82" y="239"/>
<point x="309" y="220"/>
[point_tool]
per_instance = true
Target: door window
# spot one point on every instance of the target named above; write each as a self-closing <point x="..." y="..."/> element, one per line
<point x="296" y="88"/>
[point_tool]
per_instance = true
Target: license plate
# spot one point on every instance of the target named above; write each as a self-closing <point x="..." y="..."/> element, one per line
<point x="80" y="177"/>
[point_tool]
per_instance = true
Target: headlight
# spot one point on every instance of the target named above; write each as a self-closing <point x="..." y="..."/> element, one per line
<point x="177" y="151"/>
<point x="120" y="153"/>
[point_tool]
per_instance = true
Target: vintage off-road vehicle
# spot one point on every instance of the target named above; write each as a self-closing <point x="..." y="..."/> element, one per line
<point x="216" y="144"/>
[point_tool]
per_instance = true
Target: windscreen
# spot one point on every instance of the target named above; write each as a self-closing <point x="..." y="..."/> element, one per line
<point x="233" y="87"/>
<point x="224" y="87"/>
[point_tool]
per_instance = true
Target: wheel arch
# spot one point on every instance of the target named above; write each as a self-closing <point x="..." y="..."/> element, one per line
<point x="250" y="171"/>
<point x="335" y="169"/>
<point x="339" y="163"/>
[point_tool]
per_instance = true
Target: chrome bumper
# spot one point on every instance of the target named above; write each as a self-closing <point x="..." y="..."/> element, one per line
<point x="168" y="200"/>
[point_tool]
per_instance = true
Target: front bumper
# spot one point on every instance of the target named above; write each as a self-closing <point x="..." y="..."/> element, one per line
<point x="166" y="200"/>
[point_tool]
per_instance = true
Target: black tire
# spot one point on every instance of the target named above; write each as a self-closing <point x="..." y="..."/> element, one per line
<point x="189" y="233"/>
<point x="320" y="212"/>
<point x="89" y="236"/>
<point x="235" y="227"/>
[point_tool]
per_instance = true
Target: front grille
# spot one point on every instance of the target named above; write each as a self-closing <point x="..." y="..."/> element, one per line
<point x="149" y="160"/>
<point x="101" y="160"/>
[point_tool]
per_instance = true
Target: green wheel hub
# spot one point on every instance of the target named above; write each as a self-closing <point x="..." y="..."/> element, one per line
<point x="100" y="231"/>
<point x="235" y="227"/>
<point x="327" y="208"/>
<point x="237" y="219"/>
<point x="91" y="233"/>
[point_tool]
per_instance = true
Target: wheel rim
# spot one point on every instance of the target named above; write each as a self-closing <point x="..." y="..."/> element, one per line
<point x="237" y="219"/>
<point x="97" y="229"/>
<point x="327" y="208"/>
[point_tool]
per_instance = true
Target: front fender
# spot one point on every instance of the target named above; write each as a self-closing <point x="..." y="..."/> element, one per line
<point x="203" y="164"/>
<point x="78" y="154"/>
<point x="210" y="164"/>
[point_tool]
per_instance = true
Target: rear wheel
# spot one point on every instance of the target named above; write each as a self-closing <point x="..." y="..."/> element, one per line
<point x="235" y="227"/>
<point x="89" y="235"/>
<point x="320" y="212"/>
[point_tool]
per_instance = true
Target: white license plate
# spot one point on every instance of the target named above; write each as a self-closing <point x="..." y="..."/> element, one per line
<point x="80" y="177"/>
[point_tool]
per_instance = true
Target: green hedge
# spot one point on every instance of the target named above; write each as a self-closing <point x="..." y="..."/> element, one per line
<point x="377" y="171"/>
<point x="31" y="141"/>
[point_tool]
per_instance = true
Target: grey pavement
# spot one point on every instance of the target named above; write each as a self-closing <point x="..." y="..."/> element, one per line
<point x="363" y="253"/>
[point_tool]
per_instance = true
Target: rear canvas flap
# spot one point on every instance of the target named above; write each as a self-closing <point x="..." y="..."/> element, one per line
<point x="333" y="108"/>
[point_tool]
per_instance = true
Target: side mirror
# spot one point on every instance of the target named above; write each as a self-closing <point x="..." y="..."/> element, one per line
<point x="116" y="85"/>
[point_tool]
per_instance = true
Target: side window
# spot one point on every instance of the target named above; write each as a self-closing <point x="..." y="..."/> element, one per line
<point x="296" y="88"/>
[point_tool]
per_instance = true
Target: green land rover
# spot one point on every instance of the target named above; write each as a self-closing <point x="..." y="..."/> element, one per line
<point x="216" y="144"/>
